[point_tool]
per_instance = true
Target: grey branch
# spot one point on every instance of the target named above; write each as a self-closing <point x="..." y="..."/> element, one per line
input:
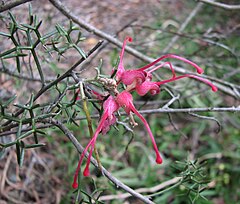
<point x="229" y="89"/>
<point x="221" y="5"/>
<point x="80" y="149"/>
<point x="183" y="26"/>
<point x="148" y="111"/>
<point x="153" y="189"/>
<point x="191" y="110"/>
<point x="12" y="4"/>
<point x="12" y="72"/>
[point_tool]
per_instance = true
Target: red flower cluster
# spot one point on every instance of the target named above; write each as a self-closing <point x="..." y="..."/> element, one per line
<point x="139" y="80"/>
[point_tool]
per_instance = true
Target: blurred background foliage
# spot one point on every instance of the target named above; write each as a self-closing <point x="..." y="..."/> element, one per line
<point x="201" y="152"/>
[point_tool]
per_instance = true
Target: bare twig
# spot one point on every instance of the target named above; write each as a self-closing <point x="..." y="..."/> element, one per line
<point x="65" y="11"/>
<point x="191" y="110"/>
<point x="173" y="99"/>
<point x="142" y="190"/>
<point x="208" y="118"/>
<point x="12" y="4"/>
<point x="221" y="5"/>
<point x="13" y="73"/>
<point x="80" y="149"/>
<point x="148" y="111"/>
<point x="183" y="26"/>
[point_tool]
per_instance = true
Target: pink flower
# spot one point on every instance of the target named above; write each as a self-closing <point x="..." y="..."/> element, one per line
<point x="136" y="77"/>
<point x="125" y="100"/>
<point x="141" y="81"/>
<point x="109" y="107"/>
<point x="153" y="87"/>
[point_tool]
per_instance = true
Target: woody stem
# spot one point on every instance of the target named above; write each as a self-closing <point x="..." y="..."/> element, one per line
<point x="89" y="121"/>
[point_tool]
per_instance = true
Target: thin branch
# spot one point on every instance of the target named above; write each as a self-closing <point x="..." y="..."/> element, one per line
<point x="148" y="111"/>
<point x="80" y="149"/>
<point x="191" y="110"/>
<point x="221" y="5"/>
<point x="183" y="26"/>
<point x="142" y="190"/>
<point x="69" y="14"/>
<point x="208" y="118"/>
<point x="24" y="76"/>
<point x="12" y="4"/>
<point x="173" y="99"/>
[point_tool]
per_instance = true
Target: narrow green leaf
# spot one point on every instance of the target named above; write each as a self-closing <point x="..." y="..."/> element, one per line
<point x="19" y="129"/>
<point x="8" y="144"/>
<point x="70" y="27"/>
<point x="35" y="21"/>
<point x="24" y="47"/>
<point x="15" y="55"/>
<point x="2" y="151"/>
<point x="21" y="106"/>
<point x="40" y="132"/>
<point x="81" y="52"/>
<point x="35" y="137"/>
<point x="6" y="104"/>
<point x="18" y="152"/>
<point x="61" y="30"/>
<point x="34" y="145"/>
<point x="5" y="34"/>
<point x="38" y="25"/>
<point x="31" y="100"/>
<point x="22" y="153"/>
<point x="28" y="26"/>
<point x="25" y="134"/>
<point x="10" y="117"/>
<point x="13" y="28"/>
<point x="38" y="66"/>
<point x="49" y="35"/>
<point x="8" y="52"/>
<point x="12" y="18"/>
<point x="80" y="38"/>
<point x="30" y="14"/>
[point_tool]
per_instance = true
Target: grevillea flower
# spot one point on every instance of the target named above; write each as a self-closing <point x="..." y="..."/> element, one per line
<point x="109" y="107"/>
<point x="154" y="87"/>
<point x="134" y="78"/>
<point x="125" y="100"/>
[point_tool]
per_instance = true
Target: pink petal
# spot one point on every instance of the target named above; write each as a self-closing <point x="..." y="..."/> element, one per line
<point x="129" y="76"/>
<point x="75" y="184"/>
<point x="162" y="65"/>
<point x="110" y="105"/>
<point x="214" y="88"/>
<point x="108" y="123"/>
<point x="124" y="99"/>
<point x="147" y="86"/>
<point x="199" y="69"/>
<point x="98" y="95"/>
<point x="121" y="68"/>
<point x="158" y="156"/>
